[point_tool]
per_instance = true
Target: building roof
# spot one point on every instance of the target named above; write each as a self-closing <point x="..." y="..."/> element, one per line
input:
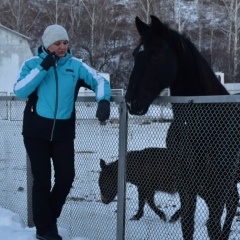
<point x="8" y="29"/>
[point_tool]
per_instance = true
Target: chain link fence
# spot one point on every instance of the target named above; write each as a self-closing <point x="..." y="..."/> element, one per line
<point x="148" y="202"/>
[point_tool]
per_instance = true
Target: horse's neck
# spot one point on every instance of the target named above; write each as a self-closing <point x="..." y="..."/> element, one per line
<point x="196" y="78"/>
<point x="193" y="85"/>
<point x="183" y="87"/>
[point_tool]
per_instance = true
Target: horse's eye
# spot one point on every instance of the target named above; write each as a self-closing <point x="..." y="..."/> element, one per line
<point x="156" y="55"/>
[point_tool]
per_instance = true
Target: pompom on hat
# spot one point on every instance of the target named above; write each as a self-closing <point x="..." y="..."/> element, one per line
<point x="54" y="33"/>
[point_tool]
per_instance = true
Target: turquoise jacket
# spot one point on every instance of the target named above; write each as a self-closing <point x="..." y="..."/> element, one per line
<point x="52" y="93"/>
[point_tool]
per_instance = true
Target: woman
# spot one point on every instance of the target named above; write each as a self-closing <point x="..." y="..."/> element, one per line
<point x="51" y="81"/>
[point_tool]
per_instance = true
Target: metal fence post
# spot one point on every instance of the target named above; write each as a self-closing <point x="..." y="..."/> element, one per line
<point x="29" y="194"/>
<point x="121" y="203"/>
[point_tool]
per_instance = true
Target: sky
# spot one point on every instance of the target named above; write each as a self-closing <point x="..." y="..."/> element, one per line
<point x="12" y="227"/>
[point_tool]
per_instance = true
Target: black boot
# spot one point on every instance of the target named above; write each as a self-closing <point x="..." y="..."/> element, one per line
<point x="49" y="236"/>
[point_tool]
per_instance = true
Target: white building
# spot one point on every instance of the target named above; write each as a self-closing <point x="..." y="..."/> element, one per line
<point x="87" y="92"/>
<point x="232" y="88"/>
<point x="14" y="50"/>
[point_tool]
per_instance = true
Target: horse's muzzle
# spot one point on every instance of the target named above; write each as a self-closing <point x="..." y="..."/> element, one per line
<point x="136" y="111"/>
<point x="104" y="200"/>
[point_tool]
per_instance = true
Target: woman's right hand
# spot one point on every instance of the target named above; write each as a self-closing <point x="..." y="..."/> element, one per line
<point x="48" y="61"/>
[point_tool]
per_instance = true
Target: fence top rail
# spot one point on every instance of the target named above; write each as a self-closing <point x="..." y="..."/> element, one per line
<point x="79" y="98"/>
<point x="199" y="99"/>
<point x="159" y="99"/>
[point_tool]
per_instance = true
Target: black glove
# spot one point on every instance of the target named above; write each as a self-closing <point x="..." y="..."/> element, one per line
<point x="48" y="61"/>
<point x="103" y="110"/>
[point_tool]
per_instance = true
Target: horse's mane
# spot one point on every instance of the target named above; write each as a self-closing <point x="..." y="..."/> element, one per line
<point x="191" y="60"/>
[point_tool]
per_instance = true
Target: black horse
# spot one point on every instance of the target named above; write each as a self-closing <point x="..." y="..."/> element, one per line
<point x="150" y="169"/>
<point x="205" y="136"/>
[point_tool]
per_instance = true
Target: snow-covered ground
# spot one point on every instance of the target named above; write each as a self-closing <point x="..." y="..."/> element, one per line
<point x="84" y="216"/>
<point x="12" y="227"/>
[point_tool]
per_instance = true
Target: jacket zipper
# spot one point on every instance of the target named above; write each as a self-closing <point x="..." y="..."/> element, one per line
<point x="56" y="105"/>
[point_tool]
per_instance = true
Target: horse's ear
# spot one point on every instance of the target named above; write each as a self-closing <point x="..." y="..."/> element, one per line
<point x="142" y="27"/>
<point x="157" y="24"/>
<point x="102" y="163"/>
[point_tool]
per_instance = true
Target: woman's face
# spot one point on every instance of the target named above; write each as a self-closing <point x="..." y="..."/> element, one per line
<point x="59" y="47"/>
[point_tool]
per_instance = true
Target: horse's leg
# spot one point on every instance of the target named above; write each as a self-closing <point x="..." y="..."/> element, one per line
<point x="141" y="201"/>
<point x="150" y="200"/>
<point x="188" y="207"/>
<point x="231" y="206"/>
<point x="232" y="198"/>
<point x="215" y="202"/>
<point x="175" y="216"/>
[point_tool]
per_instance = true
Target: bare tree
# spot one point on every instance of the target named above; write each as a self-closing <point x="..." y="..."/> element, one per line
<point x="19" y="15"/>
<point x="231" y="29"/>
<point x="103" y="32"/>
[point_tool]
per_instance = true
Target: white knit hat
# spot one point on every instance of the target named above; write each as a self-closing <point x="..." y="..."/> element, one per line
<point x="54" y="33"/>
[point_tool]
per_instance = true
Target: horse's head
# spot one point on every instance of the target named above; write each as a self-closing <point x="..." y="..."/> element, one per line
<point x="108" y="181"/>
<point x="155" y="66"/>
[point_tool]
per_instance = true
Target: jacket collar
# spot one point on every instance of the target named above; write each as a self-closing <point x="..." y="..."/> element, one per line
<point x="41" y="52"/>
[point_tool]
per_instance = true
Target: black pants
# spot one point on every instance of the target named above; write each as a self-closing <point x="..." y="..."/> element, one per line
<point x="47" y="200"/>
